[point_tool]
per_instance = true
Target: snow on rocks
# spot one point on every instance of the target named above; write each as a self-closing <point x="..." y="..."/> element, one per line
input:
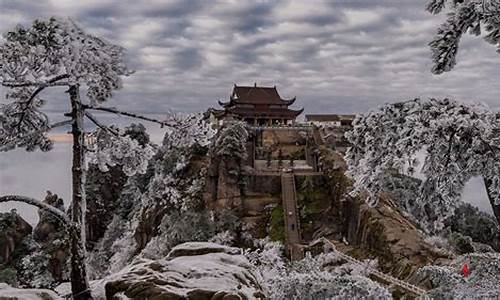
<point x="201" y="248"/>
<point x="10" y="293"/>
<point x="190" y="271"/>
<point x="448" y="281"/>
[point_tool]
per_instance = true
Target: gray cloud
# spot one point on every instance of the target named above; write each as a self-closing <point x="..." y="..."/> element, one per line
<point x="335" y="56"/>
<point x="344" y="56"/>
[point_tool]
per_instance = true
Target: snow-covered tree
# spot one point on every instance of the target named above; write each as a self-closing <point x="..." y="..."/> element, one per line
<point x="460" y="141"/>
<point x="177" y="228"/>
<point x="482" y="283"/>
<point x="481" y="227"/>
<point x="474" y="16"/>
<point x="105" y="191"/>
<point x="34" y="268"/>
<point x="170" y="191"/>
<point x="56" y="52"/>
<point x="170" y="187"/>
<point x="231" y="141"/>
<point x="319" y="277"/>
<point x="113" y="147"/>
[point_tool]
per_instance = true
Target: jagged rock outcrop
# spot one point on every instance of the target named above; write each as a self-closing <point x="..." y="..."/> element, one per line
<point x="228" y="187"/>
<point x="148" y="226"/>
<point x="174" y="188"/>
<point x="48" y="226"/>
<point x="103" y="192"/>
<point x="9" y="293"/>
<point x="383" y="232"/>
<point x="13" y="229"/>
<point x="51" y="235"/>
<point x="223" y="188"/>
<point x="191" y="271"/>
<point x="228" y="159"/>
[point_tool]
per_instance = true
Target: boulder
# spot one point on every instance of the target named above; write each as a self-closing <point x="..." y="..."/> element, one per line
<point x="191" y="271"/>
<point x="9" y="293"/>
<point x="201" y="248"/>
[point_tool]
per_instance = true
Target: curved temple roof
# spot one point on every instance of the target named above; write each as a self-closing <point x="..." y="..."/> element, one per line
<point x="255" y="101"/>
<point x="257" y="95"/>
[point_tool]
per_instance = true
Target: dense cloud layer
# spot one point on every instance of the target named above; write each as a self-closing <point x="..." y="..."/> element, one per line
<point x="335" y="56"/>
<point x="338" y="56"/>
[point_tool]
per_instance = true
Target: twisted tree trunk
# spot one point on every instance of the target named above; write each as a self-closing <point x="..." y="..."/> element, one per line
<point x="494" y="207"/>
<point x="79" y="281"/>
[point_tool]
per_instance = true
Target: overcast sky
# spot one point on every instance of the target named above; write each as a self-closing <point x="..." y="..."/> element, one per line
<point x="335" y="56"/>
<point x="343" y="56"/>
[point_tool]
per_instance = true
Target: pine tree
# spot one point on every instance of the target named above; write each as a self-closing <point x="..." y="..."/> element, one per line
<point x="474" y="16"/>
<point x="56" y="52"/>
<point x="461" y="141"/>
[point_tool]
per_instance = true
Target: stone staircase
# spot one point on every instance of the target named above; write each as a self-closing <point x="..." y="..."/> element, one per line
<point x="291" y="216"/>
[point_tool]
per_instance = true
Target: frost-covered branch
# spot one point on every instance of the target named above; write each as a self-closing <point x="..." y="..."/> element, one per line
<point x="115" y="148"/>
<point x="473" y="16"/>
<point x="460" y="140"/>
<point x="41" y="88"/>
<point x="8" y="145"/>
<point x="94" y="120"/>
<point x="27" y="104"/>
<point x="447" y="282"/>
<point x="51" y="209"/>
<point x="133" y="115"/>
<point x="39" y="84"/>
<point x="231" y="141"/>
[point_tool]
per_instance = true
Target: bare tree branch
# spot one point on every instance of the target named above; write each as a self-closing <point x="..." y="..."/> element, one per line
<point x="51" y="209"/>
<point x="35" y="93"/>
<point x="133" y="115"/>
<point x="9" y="144"/>
<point x="52" y="80"/>
<point x="94" y="120"/>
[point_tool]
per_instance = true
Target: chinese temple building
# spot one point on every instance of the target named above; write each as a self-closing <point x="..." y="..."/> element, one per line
<point x="257" y="105"/>
<point x="331" y="119"/>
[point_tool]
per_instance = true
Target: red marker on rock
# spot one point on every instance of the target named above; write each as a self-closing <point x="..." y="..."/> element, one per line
<point x="465" y="270"/>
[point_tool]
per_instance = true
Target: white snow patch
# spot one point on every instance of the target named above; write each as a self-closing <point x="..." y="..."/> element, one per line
<point x="8" y="292"/>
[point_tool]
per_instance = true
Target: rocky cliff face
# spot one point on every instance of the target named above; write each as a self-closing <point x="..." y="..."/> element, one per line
<point x="178" y="191"/>
<point x="327" y="210"/>
<point x="228" y="185"/>
<point x="205" y="185"/>
<point x="50" y="234"/>
<point x="34" y="257"/>
<point x="103" y="192"/>
<point x="48" y="226"/>
<point x="13" y="229"/>
<point x="384" y="233"/>
<point x="223" y="187"/>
